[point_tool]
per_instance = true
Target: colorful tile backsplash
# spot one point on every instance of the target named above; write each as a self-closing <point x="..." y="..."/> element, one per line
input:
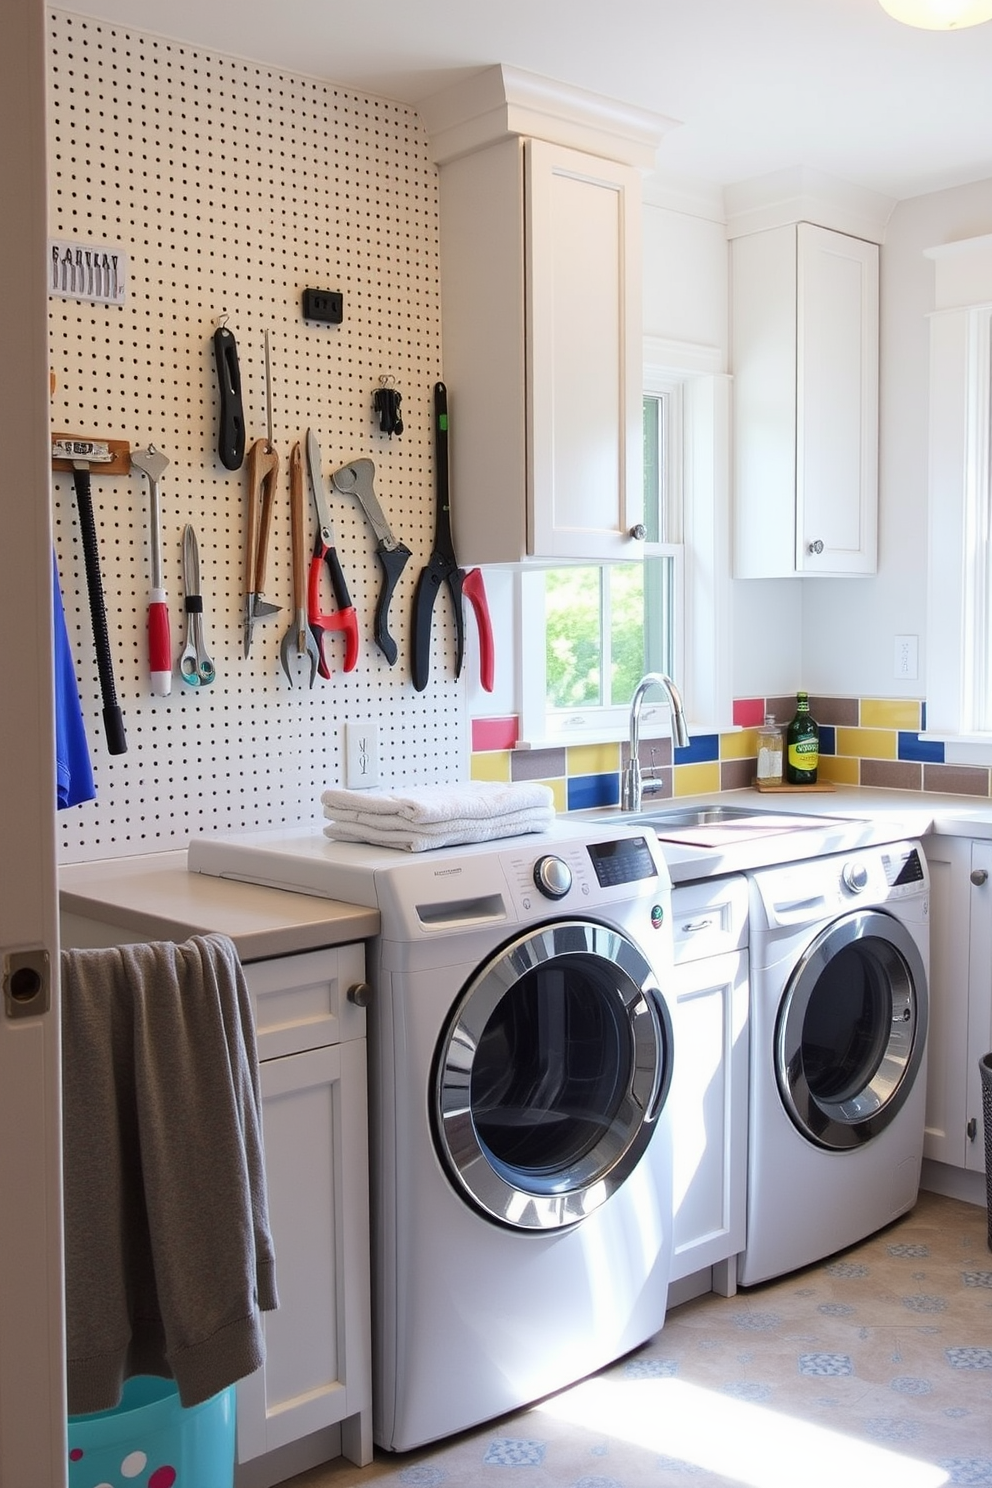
<point x="863" y="741"/>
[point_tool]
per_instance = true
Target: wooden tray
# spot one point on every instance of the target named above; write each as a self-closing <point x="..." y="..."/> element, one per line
<point x="795" y="790"/>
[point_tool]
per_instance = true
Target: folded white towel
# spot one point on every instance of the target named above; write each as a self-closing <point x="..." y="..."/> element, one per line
<point x="476" y="800"/>
<point x="544" y="815"/>
<point x="408" y="837"/>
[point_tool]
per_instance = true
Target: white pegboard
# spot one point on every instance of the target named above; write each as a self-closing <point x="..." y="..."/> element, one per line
<point x="232" y="188"/>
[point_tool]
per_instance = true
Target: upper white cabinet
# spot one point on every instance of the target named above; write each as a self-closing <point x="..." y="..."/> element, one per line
<point x="805" y="362"/>
<point x="541" y="323"/>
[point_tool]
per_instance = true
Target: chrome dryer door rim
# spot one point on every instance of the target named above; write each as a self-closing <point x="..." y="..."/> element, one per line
<point x="841" y="1107"/>
<point x="557" y="1163"/>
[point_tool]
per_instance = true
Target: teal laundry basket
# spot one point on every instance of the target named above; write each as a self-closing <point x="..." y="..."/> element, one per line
<point x="149" y="1440"/>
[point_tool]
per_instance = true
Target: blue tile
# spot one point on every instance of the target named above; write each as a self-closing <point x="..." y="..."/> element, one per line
<point x="593" y="790"/>
<point x="828" y="739"/>
<point x="700" y="749"/>
<point x="912" y="747"/>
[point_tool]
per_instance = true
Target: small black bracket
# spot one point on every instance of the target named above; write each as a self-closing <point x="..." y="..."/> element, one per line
<point x="326" y="305"/>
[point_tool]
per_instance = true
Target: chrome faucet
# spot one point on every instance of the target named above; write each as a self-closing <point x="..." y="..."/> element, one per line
<point x="630" y="793"/>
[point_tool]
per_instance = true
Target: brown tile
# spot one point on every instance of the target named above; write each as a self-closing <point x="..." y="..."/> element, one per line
<point x="957" y="780"/>
<point x="892" y="774"/>
<point x="737" y="774"/>
<point x="840" y="711"/>
<point x="537" y="764"/>
<point x="652" y="753"/>
<point x="781" y="708"/>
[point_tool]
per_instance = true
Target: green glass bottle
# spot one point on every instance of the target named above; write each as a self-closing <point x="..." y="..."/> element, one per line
<point x="802" y="745"/>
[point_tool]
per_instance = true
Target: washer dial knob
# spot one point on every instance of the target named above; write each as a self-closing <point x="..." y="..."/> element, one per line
<point x="553" y="877"/>
<point x="855" y="876"/>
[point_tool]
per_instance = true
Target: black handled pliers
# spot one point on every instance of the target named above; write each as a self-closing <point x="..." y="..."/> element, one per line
<point x="442" y="566"/>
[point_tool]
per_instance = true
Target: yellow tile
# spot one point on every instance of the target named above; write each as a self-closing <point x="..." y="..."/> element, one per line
<point x="840" y="771"/>
<point x="592" y="759"/>
<point x="490" y="766"/>
<point x="867" y="743"/>
<point x="559" y="792"/>
<point x="741" y="744"/>
<point x="697" y="780"/>
<point x="891" y="713"/>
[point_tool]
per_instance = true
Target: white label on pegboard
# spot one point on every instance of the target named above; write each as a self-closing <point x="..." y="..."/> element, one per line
<point x="87" y="271"/>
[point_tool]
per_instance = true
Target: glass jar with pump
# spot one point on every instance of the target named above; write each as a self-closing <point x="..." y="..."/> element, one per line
<point x="802" y="745"/>
<point x="769" y="770"/>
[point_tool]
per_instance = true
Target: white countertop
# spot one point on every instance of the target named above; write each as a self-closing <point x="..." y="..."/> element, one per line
<point x="153" y="897"/>
<point x="867" y="818"/>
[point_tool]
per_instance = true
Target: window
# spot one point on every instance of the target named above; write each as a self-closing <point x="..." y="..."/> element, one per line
<point x="605" y="625"/>
<point x="959" y="609"/>
<point x="589" y="632"/>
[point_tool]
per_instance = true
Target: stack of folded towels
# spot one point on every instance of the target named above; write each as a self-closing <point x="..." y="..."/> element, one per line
<point x="417" y="820"/>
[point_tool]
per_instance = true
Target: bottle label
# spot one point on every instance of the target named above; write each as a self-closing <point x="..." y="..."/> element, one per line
<point x="804" y="754"/>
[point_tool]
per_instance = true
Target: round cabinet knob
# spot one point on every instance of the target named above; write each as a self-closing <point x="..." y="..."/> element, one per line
<point x="816" y="546"/>
<point x="978" y="877"/>
<point x="359" y="993"/>
<point x="553" y="877"/>
<point x="855" y="877"/>
<point x="638" y="532"/>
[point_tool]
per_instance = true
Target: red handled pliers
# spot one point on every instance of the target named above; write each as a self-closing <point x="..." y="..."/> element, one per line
<point x="344" y="619"/>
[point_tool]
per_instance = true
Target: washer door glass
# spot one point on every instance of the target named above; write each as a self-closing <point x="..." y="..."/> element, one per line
<point x="551" y="1074"/>
<point x="851" y="1030"/>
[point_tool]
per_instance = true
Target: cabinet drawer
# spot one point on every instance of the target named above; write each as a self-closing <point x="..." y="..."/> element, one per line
<point x="709" y="918"/>
<point x="301" y="1002"/>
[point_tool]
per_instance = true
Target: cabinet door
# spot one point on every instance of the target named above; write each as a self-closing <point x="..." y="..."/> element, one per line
<point x="709" y="1106"/>
<point x="837" y="403"/>
<point x="805" y="361"/>
<point x="979" y="999"/>
<point x="960" y="998"/>
<point x="583" y="257"/>
<point x="317" y="1370"/>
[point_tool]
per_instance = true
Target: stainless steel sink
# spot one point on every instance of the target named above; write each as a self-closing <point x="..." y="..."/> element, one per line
<point x="720" y="823"/>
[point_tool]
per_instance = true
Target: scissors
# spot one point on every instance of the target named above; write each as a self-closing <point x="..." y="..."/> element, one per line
<point x="195" y="667"/>
<point x="325" y="551"/>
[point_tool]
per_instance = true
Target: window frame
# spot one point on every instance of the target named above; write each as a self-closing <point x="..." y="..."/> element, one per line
<point x="699" y="442"/>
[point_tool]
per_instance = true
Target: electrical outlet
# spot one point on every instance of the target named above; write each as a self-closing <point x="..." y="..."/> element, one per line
<point x="323" y="304"/>
<point x="361" y="755"/>
<point x="906" y="661"/>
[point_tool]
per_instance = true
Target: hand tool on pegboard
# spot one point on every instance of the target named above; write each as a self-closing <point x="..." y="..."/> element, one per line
<point x="231" y="429"/>
<point x="442" y="567"/>
<point x="325" y="551"/>
<point x="263" y="474"/>
<point x="109" y="457"/>
<point x="356" y="480"/>
<point x="154" y="465"/>
<point x="298" y="634"/>
<point x="195" y="667"/>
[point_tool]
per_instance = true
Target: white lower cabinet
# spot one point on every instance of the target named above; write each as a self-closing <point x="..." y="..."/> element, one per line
<point x="312" y="1399"/>
<point x="709" y="1096"/>
<point x="960" y="1031"/>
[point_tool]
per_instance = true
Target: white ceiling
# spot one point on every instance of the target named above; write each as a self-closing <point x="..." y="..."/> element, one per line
<point x="758" y="86"/>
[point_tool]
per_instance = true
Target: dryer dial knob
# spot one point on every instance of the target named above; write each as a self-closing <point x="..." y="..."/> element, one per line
<point x="553" y="877"/>
<point x="855" y="876"/>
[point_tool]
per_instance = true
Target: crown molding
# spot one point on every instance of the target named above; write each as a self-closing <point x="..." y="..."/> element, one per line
<point x="803" y="195"/>
<point x="502" y="102"/>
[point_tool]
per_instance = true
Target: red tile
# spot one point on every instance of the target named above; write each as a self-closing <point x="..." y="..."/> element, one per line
<point x="749" y="712"/>
<point x="494" y="733"/>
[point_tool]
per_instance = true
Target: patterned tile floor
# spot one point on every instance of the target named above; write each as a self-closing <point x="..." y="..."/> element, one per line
<point x="869" y="1370"/>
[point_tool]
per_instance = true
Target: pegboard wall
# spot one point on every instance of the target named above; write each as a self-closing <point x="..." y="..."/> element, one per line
<point x="232" y="187"/>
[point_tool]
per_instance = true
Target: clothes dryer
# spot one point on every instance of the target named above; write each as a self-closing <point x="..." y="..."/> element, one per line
<point x="839" y="1011"/>
<point x="521" y="1052"/>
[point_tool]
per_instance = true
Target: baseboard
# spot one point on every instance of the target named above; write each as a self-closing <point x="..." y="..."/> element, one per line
<point x="953" y="1183"/>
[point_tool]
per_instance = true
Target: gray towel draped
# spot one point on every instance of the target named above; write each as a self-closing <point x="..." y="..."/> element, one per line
<point x="168" y="1252"/>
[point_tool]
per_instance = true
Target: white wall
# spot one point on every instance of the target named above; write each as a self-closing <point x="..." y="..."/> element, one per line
<point x="849" y="625"/>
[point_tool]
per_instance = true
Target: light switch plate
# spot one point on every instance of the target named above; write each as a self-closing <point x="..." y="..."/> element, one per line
<point x="361" y="755"/>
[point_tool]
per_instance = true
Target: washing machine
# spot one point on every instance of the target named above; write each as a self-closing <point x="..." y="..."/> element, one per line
<point x="839" y="1009"/>
<point x="521" y="1053"/>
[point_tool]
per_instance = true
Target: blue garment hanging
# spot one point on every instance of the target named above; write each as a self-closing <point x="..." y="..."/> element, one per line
<point x="74" y="773"/>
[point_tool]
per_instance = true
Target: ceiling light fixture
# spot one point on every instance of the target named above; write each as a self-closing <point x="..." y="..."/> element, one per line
<point x="939" y="15"/>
